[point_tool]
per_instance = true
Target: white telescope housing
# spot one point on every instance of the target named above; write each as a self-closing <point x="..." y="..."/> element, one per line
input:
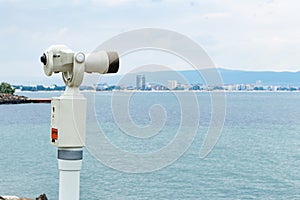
<point x="68" y="112"/>
<point x="59" y="58"/>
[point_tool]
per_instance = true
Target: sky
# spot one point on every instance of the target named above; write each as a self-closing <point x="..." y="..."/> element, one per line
<point x="256" y="35"/>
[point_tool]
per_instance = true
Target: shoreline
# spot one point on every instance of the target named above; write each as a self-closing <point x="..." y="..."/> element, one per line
<point x="6" y="99"/>
<point x="155" y="91"/>
<point x="41" y="197"/>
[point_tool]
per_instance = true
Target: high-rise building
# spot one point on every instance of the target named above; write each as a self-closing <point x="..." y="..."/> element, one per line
<point x="140" y="82"/>
<point x="172" y="84"/>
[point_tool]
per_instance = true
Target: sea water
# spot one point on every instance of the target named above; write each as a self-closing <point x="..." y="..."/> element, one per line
<point x="256" y="157"/>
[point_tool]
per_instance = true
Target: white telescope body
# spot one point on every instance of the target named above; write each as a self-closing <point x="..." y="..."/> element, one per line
<point x="68" y="112"/>
<point x="59" y="58"/>
<point x="102" y="62"/>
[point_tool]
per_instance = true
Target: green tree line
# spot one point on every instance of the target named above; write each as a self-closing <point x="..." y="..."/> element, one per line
<point x="6" y="88"/>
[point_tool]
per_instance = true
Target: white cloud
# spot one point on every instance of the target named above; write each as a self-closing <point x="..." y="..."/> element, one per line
<point x="215" y="15"/>
<point x="113" y="2"/>
<point x="246" y="34"/>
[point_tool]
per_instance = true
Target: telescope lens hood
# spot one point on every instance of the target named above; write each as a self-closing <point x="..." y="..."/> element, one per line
<point x="113" y="58"/>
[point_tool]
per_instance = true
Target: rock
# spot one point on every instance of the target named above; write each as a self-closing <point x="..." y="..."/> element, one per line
<point x="9" y="198"/>
<point x="42" y="197"/>
<point x="13" y="99"/>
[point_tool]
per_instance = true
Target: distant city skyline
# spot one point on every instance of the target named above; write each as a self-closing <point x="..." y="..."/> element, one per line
<point x="228" y="77"/>
<point x="170" y="85"/>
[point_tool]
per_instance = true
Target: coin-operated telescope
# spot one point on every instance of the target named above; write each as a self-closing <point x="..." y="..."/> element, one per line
<point x="68" y="112"/>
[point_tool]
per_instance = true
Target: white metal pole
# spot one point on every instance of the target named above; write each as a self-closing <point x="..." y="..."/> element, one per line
<point x="69" y="165"/>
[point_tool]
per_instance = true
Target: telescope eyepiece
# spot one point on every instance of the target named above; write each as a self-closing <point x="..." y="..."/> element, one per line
<point x="44" y="59"/>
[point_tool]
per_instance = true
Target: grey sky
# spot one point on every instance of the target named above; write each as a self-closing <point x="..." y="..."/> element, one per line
<point x="250" y="34"/>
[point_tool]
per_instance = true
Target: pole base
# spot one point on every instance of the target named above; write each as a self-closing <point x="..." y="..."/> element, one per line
<point x="69" y="165"/>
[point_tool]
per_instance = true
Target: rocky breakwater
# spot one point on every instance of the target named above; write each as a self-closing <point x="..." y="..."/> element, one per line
<point x="41" y="197"/>
<point x="13" y="99"/>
